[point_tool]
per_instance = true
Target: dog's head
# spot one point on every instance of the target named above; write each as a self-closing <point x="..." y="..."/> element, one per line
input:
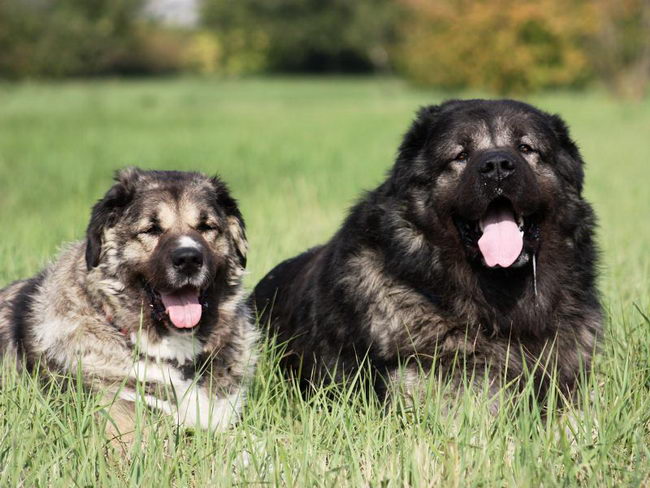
<point x="176" y="238"/>
<point x="493" y="175"/>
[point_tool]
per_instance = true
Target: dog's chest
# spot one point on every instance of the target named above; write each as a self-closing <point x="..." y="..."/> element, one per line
<point x="176" y="349"/>
<point x="173" y="363"/>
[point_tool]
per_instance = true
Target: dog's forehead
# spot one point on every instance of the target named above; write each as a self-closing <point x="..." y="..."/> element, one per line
<point x="177" y="185"/>
<point x="194" y="208"/>
<point x="171" y="205"/>
<point x="483" y="129"/>
<point x="464" y="132"/>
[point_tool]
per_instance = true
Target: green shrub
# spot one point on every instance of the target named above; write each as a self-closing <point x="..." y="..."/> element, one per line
<point x="65" y="37"/>
<point x="302" y="35"/>
<point x="621" y="50"/>
<point x="504" y="46"/>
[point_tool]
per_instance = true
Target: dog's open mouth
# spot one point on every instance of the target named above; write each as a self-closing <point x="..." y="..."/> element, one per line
<point x="500" y="234"/>
<point x="182" y="308"/>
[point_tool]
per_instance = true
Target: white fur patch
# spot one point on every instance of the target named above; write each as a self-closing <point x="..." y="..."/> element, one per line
<point x="199" y="409"/>
<point x="187" y="241"/>
<point x="167" y="216"/>
<point x="180" y="348"/>
<point x="52" y="336"/>
<point x="195" y="405"/>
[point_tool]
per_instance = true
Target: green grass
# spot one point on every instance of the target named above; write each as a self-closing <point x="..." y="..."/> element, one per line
<point x="297" y="153"/>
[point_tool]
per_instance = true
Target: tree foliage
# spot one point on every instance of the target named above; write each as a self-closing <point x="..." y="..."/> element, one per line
<point x="64" y="37"/>
<point x="302" y="35"/>
<point x="501" y="45"/>
<point x="621" y="49"/>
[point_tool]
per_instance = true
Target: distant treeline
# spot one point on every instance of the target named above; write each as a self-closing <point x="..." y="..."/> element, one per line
<point x="505" y="46"/>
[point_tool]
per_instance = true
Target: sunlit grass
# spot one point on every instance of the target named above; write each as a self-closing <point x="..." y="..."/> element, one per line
<point x="297" y="153"/>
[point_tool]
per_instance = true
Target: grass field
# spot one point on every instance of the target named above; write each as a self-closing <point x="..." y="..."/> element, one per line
<point x="297" y="153"/>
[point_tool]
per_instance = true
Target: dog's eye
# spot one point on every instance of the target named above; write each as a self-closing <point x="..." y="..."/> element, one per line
<point x="525" y="148"/>
<point x="462" y="156"/>
<point x="205" y="227"/>
<point x="152" y="230"/>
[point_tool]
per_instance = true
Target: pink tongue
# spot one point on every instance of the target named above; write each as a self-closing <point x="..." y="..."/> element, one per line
<point x="502" y="241"/>
<point x="183" y="308"/>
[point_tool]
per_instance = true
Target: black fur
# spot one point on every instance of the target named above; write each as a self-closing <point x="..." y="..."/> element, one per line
<point x="401" y="279"/>
<point x="105" y="213"/>
<point x="21" y="310"/>
<point x="224" y="200"/>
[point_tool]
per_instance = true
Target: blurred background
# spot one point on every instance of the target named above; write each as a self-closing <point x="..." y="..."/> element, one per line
<point x="301" y="104"/>
<point x="501" y="46"/>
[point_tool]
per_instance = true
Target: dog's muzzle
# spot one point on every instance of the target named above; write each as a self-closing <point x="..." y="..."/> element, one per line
<point x="187" y="260"/>
<point x="498" y="208"/>
<point x="497" y="166"/>
<point x="177" y="293"/>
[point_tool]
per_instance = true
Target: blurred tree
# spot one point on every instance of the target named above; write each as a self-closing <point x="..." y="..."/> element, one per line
<point x="244" y="43"/>
<point x="621" y="51"/>
<point x="302" y="35"/>
<point x="507" y="46"/>
<point x="66" y="37"/>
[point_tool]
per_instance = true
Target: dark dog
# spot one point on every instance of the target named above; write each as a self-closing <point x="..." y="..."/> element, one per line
<point x="150" y="306"/>
<point x="477" y="246"/>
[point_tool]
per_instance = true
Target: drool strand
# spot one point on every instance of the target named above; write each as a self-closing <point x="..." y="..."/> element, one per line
<point x="535" y="274"/>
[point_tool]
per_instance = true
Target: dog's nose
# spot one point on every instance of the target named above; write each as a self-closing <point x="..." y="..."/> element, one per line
<point x="497" y="167"/>
<point x="187" y="259"/>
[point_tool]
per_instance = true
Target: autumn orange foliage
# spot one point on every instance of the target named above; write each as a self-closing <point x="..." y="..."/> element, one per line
<point x="505" y="46"/>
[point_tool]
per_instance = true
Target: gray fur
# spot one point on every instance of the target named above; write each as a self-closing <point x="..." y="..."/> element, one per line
<point x="89" y="307"/>
<point x="403" y="282"/>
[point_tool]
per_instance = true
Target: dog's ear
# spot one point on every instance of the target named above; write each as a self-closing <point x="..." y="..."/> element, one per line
<point x="413" y="143"/>
<point x="235" y="221"/>
<point x="569" y="161"/>
<point x="418" y="134"/>
<point x="106" y="211"/>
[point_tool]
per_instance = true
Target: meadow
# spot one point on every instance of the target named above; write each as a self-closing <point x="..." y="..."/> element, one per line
<point x="297" y="153"/>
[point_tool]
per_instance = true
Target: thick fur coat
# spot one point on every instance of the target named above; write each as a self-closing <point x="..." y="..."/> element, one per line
<point x="150" y="306"/>
<point x="414" y="279"/>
